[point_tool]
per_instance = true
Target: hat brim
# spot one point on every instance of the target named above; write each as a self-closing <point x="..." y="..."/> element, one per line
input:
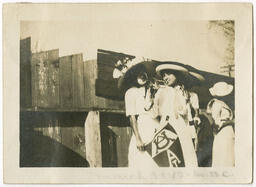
<point x="171" y="67"/>
<point x="222" y="92"/>
<point x="212" y="92"/>
<point x="197" y="75"/>
<point x="193" y="76"/>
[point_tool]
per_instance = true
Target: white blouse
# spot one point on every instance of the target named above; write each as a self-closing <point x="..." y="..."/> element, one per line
<point x="135" y="102"/>
<point x="170" y="102"/>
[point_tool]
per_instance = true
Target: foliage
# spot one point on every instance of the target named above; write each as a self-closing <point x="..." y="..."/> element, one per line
<point x="227" y="27"/>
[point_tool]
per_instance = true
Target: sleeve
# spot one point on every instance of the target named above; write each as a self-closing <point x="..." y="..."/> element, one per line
<point x="130" y="102"/>
<point x="194" y="100"/>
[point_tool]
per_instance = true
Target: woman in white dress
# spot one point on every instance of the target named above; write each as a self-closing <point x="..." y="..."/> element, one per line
<point x="223" y="151"/>
<point x="138" y="103"/>
<point x="171" y="103"/>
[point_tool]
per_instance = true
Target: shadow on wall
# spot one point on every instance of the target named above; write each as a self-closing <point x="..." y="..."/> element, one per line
<point x="52" y="139"/>
<point x="37" y="150"/>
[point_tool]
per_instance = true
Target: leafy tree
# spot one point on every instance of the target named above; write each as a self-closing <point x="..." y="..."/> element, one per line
<point x="227" y="27"/>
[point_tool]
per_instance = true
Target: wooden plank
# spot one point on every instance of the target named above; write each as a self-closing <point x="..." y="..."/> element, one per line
<point x="34" y="80"/>
<point x="45" y="91"/>
<point x="72" y="132"/>
<point x="109" y="152"/>
<point x="25" y="73"/>
<point x="73" y="137"/>
<point x="123" y="137"/>
<point x="77" y="81"/>
<point x="53" y="78"/>
<point x="79" y="147"/>
<point x="93" y="139"/>
<point x="89" y="88"/>
<point x="65" y="77"/>
<point x="66" y="137"/>
<point x="116" y="134"/>
<point x="40" y="79"/>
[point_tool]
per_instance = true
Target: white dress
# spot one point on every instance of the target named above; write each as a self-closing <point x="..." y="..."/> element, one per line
<point x="223" y="151"/>
<point x="134" y="103"/>
<point x="170" y="102"/>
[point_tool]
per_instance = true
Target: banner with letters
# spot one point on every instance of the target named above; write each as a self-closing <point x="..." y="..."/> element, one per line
<point x="165" y="148"/>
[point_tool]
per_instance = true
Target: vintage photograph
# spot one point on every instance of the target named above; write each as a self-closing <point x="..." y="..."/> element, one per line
<point x="83" y="106"/>
<point x="139" y="96"/>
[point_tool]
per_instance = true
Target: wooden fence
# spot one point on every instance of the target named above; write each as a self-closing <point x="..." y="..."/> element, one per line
<point x="50" y="82"/>
<point x="63" y="121"/>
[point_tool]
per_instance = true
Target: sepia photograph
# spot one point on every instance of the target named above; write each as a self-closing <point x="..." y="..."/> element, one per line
<point x="130" y="90"/>
<point x="131" y="108"/>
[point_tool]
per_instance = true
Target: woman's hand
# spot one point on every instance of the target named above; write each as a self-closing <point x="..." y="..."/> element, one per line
<point x="140" y="145"/>
<point x="197" y="121"/>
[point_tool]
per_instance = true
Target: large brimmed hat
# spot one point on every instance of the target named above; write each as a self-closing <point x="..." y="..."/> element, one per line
<point x="221" y="89"/>
<point x="180" y="69"/>
<point x="129" y="79"/>
<point x="171" y="67"/>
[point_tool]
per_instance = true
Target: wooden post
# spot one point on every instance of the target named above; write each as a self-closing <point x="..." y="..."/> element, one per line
<point x="93" y="139"/>
<point x="78" y="80"/>
<point x="25" y="73"/>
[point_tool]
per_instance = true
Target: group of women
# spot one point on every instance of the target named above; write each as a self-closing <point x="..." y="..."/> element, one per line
<point x="151" y="104"/>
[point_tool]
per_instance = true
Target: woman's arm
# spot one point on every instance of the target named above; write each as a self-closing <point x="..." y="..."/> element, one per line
<point x="134" y="125"/>
<point x="131" y="112"/>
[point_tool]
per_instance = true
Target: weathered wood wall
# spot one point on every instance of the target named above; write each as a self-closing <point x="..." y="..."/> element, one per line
<point x="62" y="83"/>
<point x="52" y="139"/>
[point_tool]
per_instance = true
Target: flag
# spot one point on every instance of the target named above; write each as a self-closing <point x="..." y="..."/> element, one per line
<point x="165" y="148"/>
